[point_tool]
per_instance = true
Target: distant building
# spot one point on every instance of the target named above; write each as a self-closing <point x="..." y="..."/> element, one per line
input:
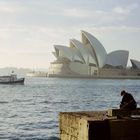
<point x="89" y="58"/>
<point x="36" y="74"/>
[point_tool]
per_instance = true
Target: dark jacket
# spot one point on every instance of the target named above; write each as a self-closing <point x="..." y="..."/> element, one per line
<point x="128" y="102"/>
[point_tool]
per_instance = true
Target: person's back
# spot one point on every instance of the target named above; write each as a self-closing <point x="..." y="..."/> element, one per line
<point x="128" y="101"/>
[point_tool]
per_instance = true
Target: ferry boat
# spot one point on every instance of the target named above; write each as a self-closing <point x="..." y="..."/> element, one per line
<point x="11" y="79"/>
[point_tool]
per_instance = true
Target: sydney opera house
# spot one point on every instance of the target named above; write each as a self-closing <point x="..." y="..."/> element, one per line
<point x="88" y="58"/>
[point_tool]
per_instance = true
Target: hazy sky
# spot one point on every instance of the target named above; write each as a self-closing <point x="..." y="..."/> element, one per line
<point x="30" y="28"/>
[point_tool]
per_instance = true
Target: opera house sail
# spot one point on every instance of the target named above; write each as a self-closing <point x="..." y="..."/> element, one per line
<point x="88" y="58"/>
<point x="135" y="64"/>
<point x="94" y="48"/>
<point x="117" y="58"/>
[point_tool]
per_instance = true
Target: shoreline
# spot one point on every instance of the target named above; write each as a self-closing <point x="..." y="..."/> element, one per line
<point x="94" y="77"/>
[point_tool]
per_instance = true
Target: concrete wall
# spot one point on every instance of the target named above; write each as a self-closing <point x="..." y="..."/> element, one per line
<point x="111" y="72"/>
<point x="76" y="69"/>
<point x="60" y="69"/>
<point x="92" y="126"/>
<point x="79" y="68"/>
<point x="118" y="72"/>
<point x="55" y="68"/>
<point x="72" y="68"/>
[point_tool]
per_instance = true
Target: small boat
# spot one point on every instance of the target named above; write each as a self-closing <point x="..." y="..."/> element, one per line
<point x="11" y="79"/>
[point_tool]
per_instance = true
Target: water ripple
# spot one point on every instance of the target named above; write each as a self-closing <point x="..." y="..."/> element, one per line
<point x="30" y="112"/>
<point x="4" y="102"/>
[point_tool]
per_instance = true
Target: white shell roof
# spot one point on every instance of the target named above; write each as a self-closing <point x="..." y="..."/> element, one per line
<point x="81" y="52"/>
<point x="135" y="63"/>
<point x="117" y="58"/>
<point x="98" y="51"/>
<point x="64" y="51"/>
<point x="91" y="51"/>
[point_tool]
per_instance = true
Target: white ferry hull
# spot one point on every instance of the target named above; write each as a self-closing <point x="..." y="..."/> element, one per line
<point x="9" y="80"/>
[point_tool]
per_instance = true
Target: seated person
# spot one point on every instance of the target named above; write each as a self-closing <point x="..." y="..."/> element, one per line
<point x="128" y="101"/>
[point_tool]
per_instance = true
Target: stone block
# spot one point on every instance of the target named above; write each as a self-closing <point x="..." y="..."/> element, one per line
<point x="87" y="126"/>
<point x="122" y="112"/>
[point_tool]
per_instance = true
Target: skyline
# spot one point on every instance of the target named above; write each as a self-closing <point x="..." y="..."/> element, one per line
<point x="29" y="29"/>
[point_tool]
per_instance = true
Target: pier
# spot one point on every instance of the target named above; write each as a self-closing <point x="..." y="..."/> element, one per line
<point x="113" y="124"/>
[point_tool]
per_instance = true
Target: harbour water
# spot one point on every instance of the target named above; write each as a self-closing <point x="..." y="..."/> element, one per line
<point x="30" y="111"/>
